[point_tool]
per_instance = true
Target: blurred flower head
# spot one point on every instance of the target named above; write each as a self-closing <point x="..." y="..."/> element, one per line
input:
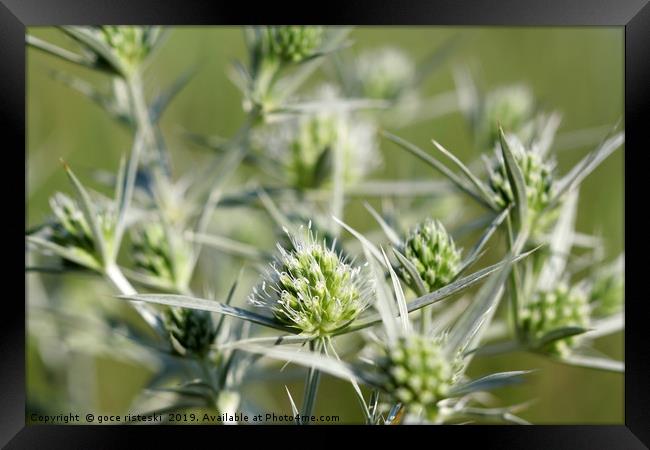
<point x="417" y="373"/>
<point x="561" y="307"/>
<point x="295" y="43"/>
<point x="384" y="73"/>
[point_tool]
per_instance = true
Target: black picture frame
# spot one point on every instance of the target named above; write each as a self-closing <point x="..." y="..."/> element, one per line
<point x="633" y="15"/>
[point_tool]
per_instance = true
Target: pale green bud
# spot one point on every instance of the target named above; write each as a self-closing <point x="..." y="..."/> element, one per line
<point x="312" y="288"/>
<point x="295" y="43"/>
<point x="433" y="253"/>
<point x="193" y="330"/>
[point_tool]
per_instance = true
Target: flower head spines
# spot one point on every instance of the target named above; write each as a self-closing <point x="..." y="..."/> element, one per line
<point x="71" y="228"/>
<point x="295" y="43"/>
<point x="417" y="373"/>
<point x="557" y="308"/>
<point x="151" y="252"/>
<point x="433" y="253"/>
<point x="510" y="107"/>
<point x="312" y="288"/>
<point x="193" y="330"/>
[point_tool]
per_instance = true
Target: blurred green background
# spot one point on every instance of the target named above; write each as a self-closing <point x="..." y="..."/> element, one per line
<point x="577" y="71"/>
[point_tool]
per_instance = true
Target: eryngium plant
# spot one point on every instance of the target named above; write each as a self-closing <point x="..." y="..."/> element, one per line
<point x="190" y="331"/>
<point x="561" y="307"/>
<point x="433" y="253"/>
<point x="312" y="288"/>
<point x="537" y="176"/>
<point x="510" y="107"/>
<point x="294" y="43"/>
<point x="417" y="373"/>
<point x="384" y="73"/>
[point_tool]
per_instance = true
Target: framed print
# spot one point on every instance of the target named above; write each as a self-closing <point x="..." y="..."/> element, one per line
<point x="413" y="216"/>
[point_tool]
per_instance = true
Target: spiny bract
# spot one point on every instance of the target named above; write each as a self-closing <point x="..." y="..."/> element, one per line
<point x="295" y="43"/>
<point x="417" y="373"/>
<point x="72" y="230"/>
<point x="312" y="288"/>
<point x="606" y="292"/>
<point x="433" y="253"/>
<point x="192" y="329"/>
<point x="550" y="310"/>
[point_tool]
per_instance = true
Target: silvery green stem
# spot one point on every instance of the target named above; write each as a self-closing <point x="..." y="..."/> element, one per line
<point x="311" y="385"/>
<point x="115" y="276"/>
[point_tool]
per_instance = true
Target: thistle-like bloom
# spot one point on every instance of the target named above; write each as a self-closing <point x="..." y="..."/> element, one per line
<point x="130" y="44"/>
<point x="71" y="229"/>
<point x="384" y="73"/>
<point x="537" y="174"/>
<point x="295" y="43"/>
<point x="417" y="373"/>
<point x="312" y="288"/>
<point x="433" y="253"/>
<point x="153" y="254"/>
<point x="307" y="144"/>
<point x="511" y="107"/>
<point x="191" y="331"/>
<point x="550" y="310"/>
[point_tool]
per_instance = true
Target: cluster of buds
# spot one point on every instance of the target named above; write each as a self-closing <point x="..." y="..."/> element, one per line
<point x="72" y="230"/>
<point x="161" y="255"/>
<point x="417" y="373"/>
<point x="433" y="253"/>
<point x="294" y="43"/>
<point x="384" y="73"/>
<point x="191" y="331"/>
<point x="550" y="310"/>
<point x="312" y="288"/>
<point x="307" y="145"/>
<point x="607" y="291"/>
<point x="537" y="174"/>
<point x="130" y="44"/>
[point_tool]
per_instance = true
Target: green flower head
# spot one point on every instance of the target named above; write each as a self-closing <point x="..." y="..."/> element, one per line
<point x="153" y="254"/>
<point x="130" y="44"/>
<point x="295" y="43"/>
<point x="538" y="177"/>
<point x="306" y="145"/>
<point x="550" y="310"/>
<point x="312" y="288"/>
<point x="433" y="253"/>
<point x="191" y="331"/>
<point x="417" y="373"/>
<point x="72" y="230"/>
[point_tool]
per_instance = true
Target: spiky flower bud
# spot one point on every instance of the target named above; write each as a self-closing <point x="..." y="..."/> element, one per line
<point x="191" y="331"/>
<point x="537" y="174"/>
<point x="558" y="308"/>
<point x="508" y="106"/>
<point x="433" y="253"/>
<point x="312" y="288"/>
<point x="607" y="292"/>
<point x="71" y="229"/>
<point x="295" y="43"/>
<point x="384" y="73"/>
<point x="161" y="255"/>
<point x="130" y="44"/>
<point x="417" y="373"/>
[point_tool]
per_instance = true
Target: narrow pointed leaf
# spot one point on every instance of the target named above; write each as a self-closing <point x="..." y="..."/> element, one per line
<point x="391" y="234"/>
<point x="515" y="179"/>
<point x="489" y="382"/>
<point x="183" y="301"/>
